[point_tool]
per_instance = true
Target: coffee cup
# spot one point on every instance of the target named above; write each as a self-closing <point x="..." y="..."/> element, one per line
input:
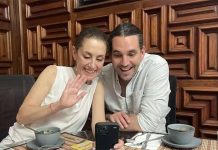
<point x="180" y="133"/>
<point x="47" y="136"/>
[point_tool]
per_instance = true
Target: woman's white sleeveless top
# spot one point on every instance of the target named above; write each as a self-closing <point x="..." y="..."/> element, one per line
<point x="68" y="120"/>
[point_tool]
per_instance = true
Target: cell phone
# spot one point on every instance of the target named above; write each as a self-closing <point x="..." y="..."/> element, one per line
<point x="106" y="135"/>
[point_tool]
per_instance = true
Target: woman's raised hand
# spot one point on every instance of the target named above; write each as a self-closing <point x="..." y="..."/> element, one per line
<point x="71" y="94"/>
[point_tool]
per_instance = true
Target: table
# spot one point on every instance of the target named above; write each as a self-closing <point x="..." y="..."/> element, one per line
<point x="207" y="144"/>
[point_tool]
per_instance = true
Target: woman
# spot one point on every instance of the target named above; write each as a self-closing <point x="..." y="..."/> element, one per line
<point x="62" y="96"/>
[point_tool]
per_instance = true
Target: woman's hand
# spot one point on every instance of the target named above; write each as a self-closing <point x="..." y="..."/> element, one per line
<point x="71" y="94"/>
<point x="119" y="145"/>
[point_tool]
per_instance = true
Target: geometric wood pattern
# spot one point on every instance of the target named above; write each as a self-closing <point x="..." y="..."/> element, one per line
<point x="181" y="39"/>
<point x="6" y="69"/>
<point x="5" y="34"/>
<point x="64" y="54"/>
<point x="10" y="52"/>
<point x="46" y="33"/>
<point x="192" y="11"/>
<point x="33" y="44"/>
<point x="4" y="11"/>
<point x="125" y="17"/>
<point x="101" y="22"/>
<point x="154" y="32"/>
<point x="199" y="105"/>
<point x="48" y="52"/>
<point x="205" y="101"/>
<point x="55" y="31"/>
<point x="42" y="45"/>
<point x="36" y="9"/>
<point x="5" y="46"/>
<point x="208" y="51"/>
<point x="181" y="65"/>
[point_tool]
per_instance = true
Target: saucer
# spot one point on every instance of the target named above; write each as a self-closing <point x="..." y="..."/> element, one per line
<point x="32" y="145"/>
<point x="193" y="144"/>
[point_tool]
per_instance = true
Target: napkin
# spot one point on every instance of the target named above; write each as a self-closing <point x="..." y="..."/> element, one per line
<point x="153" y="142"/>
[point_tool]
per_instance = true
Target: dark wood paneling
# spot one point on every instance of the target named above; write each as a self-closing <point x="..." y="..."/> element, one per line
<point x="208" y="51"/>
<point x="193" y="11"/>
<point x="10" y="54"/>
<point x="197" y="104"/>
<point x="154" y="29"/>
<point x="46" y="33"/>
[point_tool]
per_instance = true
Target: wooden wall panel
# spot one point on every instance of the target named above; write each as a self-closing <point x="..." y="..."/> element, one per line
<point x="208" y="51"/>
<point x="198" y="105"/>
<point x="9" y="41"/>
<point x="154" y="29"/>
<point x="101" y="22"/>
<point x="182" y="40"/>
<point x="33" y="44"/>
<point x="5" y="45"/>
<point x="47" y="34"/>
<point x="193" y="11"/>
<point x="128" y="16"/>
<point x="39" y="8"/>
<point x="182" y="66"/>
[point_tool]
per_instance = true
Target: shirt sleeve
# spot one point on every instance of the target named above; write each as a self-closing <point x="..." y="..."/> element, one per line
<point x="154" y="103"/>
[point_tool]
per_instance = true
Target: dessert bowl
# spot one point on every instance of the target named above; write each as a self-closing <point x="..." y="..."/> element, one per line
<point x="47" y="136"/>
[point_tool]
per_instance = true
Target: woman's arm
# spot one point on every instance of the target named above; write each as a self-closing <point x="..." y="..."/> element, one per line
<point x="98" y="112"/>
<point x="31" y="109"/>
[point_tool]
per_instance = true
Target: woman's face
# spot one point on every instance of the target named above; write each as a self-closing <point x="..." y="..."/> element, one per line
<point x="90" y="57"/>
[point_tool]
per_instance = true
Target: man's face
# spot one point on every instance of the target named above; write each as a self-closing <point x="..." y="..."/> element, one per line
<point x="126" y="56"/>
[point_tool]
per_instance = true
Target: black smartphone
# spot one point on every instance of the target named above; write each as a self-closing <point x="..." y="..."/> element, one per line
<point x="106" y="135"/>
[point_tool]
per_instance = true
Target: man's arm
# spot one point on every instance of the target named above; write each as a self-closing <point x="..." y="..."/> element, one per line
<point x="153" y="103"/>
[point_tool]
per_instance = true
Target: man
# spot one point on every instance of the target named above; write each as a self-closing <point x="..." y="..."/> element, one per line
<point x="136" y="83"/>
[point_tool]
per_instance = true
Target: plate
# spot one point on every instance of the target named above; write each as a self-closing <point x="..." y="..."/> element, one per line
<point x="33" y="145"/>
<point x="193" y="144"/>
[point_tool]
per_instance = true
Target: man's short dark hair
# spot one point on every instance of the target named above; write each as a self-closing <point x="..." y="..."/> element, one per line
<point x="126" y="29"/>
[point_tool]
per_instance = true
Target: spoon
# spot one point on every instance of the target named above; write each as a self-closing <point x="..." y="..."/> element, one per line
<point x="134" y="137"/>
<point x="49" y="147"/>
<point x="29" y="128"/>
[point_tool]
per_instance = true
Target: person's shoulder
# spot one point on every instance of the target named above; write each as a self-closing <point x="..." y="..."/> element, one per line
<point x="63" y="67"/>
<point x="48" y="74"/>
<point x="107" y="68"/>
<point x="54" y="69"/>
<point x="155" y="59"/>
<point x="50" y="69"/>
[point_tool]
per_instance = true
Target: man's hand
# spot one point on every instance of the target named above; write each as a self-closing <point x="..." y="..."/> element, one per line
<point x="121" y="118"/>
<point x="119" y="145"/>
